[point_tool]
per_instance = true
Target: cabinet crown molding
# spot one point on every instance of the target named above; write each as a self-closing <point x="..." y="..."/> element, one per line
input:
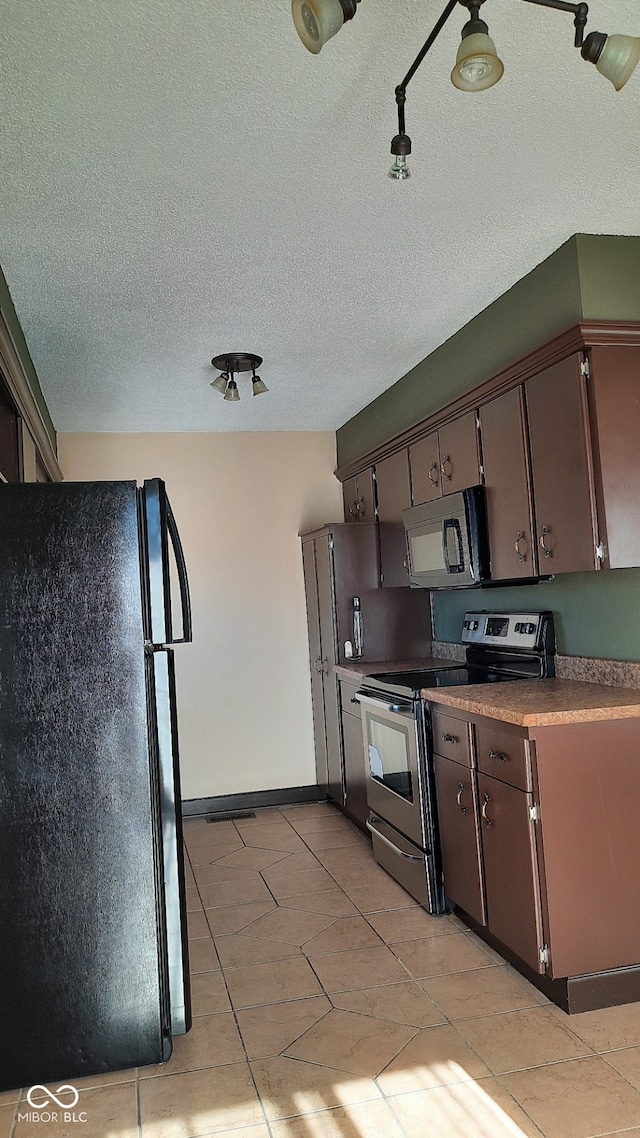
<point x="578" y="337"/>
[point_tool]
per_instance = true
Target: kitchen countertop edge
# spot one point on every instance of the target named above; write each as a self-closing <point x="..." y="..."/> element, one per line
<point x="541" y="703"/>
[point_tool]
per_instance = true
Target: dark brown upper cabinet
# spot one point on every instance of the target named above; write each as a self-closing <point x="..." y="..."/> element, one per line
<point x="507" y="481"/>
<point x="563" y="487"/>
<point x="446" y="460"/>
<point x="393" y="491"/>
<point x="613" y="387"/>
<point x="559" y="457"/>
<point x="359" y="497"/>
<point x="9" y="438"/>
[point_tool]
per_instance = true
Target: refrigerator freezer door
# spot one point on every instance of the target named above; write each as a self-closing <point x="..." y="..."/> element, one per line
<point x="162" y="541"/>
<point x="83" y="973"/>
<point x="162" y="683"/>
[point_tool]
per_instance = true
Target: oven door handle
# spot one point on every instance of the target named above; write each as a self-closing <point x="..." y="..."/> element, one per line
<point x="399" y="707"/>
<point x="409" y="857"/>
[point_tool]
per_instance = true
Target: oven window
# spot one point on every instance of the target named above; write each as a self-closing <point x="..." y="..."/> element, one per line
<point x="389" y="750"/>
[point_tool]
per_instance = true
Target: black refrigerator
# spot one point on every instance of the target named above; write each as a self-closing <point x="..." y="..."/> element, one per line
<point x="94" y="972"/>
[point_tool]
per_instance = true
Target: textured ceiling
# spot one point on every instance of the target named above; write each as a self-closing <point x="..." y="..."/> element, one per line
<point x="181" y="178"/>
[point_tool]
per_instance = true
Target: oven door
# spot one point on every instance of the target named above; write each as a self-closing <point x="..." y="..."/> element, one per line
<point x="392" y="753"/>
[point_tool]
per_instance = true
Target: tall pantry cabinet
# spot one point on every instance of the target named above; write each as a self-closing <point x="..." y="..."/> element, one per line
<point x="340" y="562"/>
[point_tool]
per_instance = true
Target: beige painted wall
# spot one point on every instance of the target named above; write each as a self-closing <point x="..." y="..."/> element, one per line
<point x="240" y="500"/>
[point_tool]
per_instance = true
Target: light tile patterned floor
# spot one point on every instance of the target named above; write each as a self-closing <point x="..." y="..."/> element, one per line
<point x="327" y="1004"/>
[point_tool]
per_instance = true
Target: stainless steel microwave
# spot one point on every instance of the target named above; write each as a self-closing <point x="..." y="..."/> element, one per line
<point x="447" y="541"/>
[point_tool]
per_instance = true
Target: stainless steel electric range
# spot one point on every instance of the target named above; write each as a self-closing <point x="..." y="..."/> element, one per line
<point x="500" y="647"/>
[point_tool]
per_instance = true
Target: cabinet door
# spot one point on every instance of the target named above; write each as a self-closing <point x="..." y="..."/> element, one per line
<point x="615" y="395"/>
<point x="510" y="869"/>
<point x="459" y="836"/>
<point x="424" y="461"/>
<point x="350" y="498"/>
<point x="365" y="496"/>
<point x="315" y="657"/>
<point x="393" y="490"/>
<point x="328" y="658"/>
<point x="561" y="468"/>
<point x="355" y="779"/>
<point x="506" y="475"/>
<point x="9" y="452"/>
<point x="459" y="465"/>
<point x="359" y="497"/>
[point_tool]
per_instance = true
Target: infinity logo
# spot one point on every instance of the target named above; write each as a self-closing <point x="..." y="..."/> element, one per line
<point x="50" y="1096"/>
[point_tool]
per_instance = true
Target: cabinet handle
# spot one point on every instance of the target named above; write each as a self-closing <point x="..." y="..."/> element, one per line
<point x="353" y="509"/>
<point x="516" y="545"/>
<point x="446" y="462"/>
<point x="463" y="809"/>
<point x="434" y="481"/>
<point x="498" y="755"/>
<point x="449" y="738"/>
<point x="360" y="512"/>
<point x="484" y="811"/>
<point x="315" y="664"/>
<point x="547" y="552"/>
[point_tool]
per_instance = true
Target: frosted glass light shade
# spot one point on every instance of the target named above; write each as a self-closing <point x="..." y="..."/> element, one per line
<point x="477" y="64"/>
<point x="220" y="383"/>
<point x="258" y="386"/>
<point x="619" y="58"/>
<point x="317" y="21"/>
<point x="232" y="394"/>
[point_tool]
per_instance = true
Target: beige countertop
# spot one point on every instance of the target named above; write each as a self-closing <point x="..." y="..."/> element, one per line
<point x="538" y="703"/>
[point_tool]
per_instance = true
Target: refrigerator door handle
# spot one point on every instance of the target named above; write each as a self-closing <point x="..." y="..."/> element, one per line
<point x="181" y="565"/>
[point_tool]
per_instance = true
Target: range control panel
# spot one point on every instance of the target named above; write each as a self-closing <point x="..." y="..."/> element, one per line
<point x="504" y="629"/>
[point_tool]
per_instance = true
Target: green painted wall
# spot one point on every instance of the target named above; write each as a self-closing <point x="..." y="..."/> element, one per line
<point x="590" y="277"/>
<point x="596" y="614"/>
<point x="13" y="324"/>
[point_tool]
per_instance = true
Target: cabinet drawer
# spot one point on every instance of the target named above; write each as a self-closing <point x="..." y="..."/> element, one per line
<point x="503" y="755"/>
<point x="347" y="695"/>
<point x="451" y="738"/>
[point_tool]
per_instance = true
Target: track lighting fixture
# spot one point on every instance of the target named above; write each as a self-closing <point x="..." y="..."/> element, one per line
<point x="477" y="66"/>
<point x="231" y="363"/>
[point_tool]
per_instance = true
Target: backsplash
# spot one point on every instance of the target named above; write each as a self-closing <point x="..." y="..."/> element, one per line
<point x="447" y="651"/>
<point x="623" y="673"/>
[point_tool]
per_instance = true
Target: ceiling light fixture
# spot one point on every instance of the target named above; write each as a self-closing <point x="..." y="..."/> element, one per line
<point x="477" y="65"/>
<point x="231" y="363"/>
<point x="317" y="21"/>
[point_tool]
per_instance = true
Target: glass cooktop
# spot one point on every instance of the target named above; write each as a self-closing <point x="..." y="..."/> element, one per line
<point x="411" y="683"/>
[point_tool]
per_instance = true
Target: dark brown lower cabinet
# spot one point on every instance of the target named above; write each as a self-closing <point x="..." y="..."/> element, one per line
<point x="545" y="820"/>
<point x="510" y="868"/>
<point x="460" y="837"/>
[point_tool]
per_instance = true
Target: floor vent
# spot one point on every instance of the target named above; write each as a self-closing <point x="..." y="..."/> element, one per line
<point x="232" y="816"/>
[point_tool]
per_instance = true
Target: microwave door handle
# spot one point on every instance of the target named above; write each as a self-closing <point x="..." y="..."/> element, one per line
<point x="181" y="565"/>
<point x="452" y="524"/>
